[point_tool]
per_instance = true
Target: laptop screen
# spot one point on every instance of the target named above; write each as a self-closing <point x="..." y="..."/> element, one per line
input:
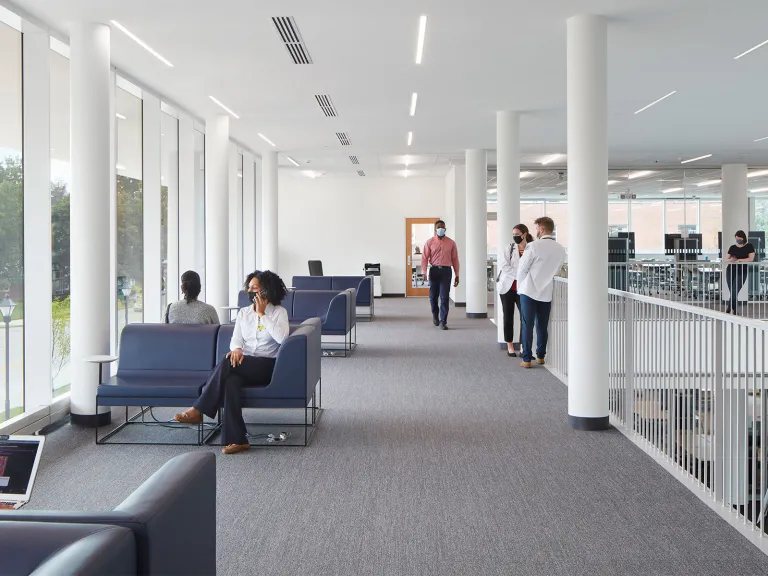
<point x="17" y="464"/>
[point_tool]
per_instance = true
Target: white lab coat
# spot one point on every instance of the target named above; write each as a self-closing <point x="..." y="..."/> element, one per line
<point x="510" y="263"/>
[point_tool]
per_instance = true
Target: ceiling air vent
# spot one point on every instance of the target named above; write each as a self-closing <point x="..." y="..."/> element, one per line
<point x="354" y="160"/>
<point x="360" y="173"/>
<point x="289" y="33"/>
<point x="326" y="105"/>
<point x="342" y="136"/>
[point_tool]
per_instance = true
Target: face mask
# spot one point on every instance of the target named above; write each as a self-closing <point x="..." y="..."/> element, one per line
<point x="441" y="232"/>
<point x="740" y="241"/>
<point x="517" y="239"/>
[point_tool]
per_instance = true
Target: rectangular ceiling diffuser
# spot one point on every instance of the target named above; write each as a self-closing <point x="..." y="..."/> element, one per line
<point x="354" y="160"/>
<point x="289" y="33"/>
<point x="342" y="136"/>
<point x="324" y="101"/>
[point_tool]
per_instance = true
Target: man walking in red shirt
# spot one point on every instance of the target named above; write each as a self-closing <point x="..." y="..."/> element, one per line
<point x="440" y="253"/>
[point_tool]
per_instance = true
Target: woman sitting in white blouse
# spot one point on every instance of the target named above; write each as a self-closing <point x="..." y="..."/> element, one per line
<point x="259" y="331"/>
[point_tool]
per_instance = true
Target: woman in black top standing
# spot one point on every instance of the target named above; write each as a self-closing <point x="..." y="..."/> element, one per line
<point x="742" y="251"/>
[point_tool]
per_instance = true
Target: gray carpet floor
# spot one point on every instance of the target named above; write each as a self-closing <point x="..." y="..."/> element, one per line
<point x="436" y="455"/>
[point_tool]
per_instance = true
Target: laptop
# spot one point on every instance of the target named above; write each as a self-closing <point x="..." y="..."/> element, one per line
<point x="19" y="459"/>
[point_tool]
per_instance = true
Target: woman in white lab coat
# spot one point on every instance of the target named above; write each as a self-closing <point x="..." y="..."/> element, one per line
<point x="507" y="281"/>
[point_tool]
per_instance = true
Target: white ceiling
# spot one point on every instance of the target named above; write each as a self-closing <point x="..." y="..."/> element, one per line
<point x="479" y="57"/>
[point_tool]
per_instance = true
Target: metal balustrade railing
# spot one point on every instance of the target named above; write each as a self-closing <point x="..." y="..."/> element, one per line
<point x="687" y="384"/>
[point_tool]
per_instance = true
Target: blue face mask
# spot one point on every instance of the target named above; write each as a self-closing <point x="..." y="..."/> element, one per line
<point x="441" y="232"/>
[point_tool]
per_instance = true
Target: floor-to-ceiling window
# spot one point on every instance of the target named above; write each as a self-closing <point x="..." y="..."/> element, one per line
<point x="558" y="211"/>
<point x="647" y="224"/>
<point x="618" y="216"/>
<point x="169" y="177"/>
<point x="682" y="215"/>
<point x="60" y="193"/>
<point x="11" y="226"/>
<point x="710" y="222"/>
<point x="130" y="221"/>
<point x="199" y="200"/>
<point x="529" y="211"/>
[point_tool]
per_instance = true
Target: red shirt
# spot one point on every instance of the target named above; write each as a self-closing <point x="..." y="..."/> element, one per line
<point x="440" y="252"/>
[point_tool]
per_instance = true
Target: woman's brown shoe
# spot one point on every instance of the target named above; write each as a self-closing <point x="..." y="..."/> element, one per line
<point x="235" y="448"/>
<point x="190" y="416"/>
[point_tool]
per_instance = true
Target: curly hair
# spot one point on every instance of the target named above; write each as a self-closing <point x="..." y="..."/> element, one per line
<point x="190" y="285"/>
<point x="269" y="282"/>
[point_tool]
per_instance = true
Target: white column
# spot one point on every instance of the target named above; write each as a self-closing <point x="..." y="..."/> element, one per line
<point x="507" y="193"/>
<point x="90" y="211"/>
<point x="269" y="211"/>
<point x="188" y="169"/>
<point x="249" y="214"/>
<point x="474" y="272"/>
<point x="113" y="295"/>
<point x="152" y="207"/>
<point x="735" y="196"/>
<point x="37" y="217"/>
<point x="735" y="201"/>
<point x="588" y="212"/>
<point x="235" y="229"/>
<point x="217" y="150"/>
<point x="173" y="275"/>
<point x="259" y="186"/>
<point x="456" y="220"/>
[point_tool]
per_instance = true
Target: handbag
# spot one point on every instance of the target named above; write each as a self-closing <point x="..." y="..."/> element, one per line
<point x="511" y="248"/>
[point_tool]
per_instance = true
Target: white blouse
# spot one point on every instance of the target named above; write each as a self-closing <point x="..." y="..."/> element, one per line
<point x="260" y="336"/>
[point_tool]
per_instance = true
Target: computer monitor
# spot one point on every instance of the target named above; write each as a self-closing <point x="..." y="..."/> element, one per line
<point x="631" y="237"/>
<point x="669" y="243"/>
<point x="315" y="268"/>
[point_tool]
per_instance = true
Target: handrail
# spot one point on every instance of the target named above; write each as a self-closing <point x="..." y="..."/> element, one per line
<point x="705" y="312"/>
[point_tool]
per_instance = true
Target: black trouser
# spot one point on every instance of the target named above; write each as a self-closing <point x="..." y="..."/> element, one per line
<point x="440" y="285"/>
<point x="223" y="390"/>
<point x="508" y="303"/>
<point x="736" y="276"/>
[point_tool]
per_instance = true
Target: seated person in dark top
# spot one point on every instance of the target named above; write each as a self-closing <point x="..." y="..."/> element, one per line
<point x="191" y="310"/>
<point x="260" y="329"/>
<point x="736" y="273"/>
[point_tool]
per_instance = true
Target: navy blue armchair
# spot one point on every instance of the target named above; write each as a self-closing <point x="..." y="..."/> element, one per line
<point x="363" y="286"/>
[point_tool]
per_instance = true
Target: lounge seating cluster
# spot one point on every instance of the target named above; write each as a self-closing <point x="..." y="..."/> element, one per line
<point x="167" y="527"/>
<point x="166" y="365"/>
<point x="363" y="286"/>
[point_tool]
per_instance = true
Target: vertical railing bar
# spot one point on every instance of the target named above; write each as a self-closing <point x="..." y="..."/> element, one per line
<point x="753" y="444"/>
<point x="762" y="434"/>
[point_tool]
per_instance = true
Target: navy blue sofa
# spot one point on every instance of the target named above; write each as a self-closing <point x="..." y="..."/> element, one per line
<point x="363" y="286"/>
<point x="336" y="311"/>
<point x="166" y="365"/>
<point x="167" y="527"/>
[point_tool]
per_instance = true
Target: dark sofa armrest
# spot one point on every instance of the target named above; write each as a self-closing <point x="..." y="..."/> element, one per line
<point x="172" y="515"/>
<point x="289" y="378"/>
<point x="109" y="552"/>
<point x="337" y="317"/>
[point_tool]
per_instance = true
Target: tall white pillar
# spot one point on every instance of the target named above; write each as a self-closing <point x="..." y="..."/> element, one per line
<point x="249" y="214"/>
<point x="217" y="150"/>
<point x="474" y="271"/>
<point x="507" y="193"/>
<point x="269" y="208"/>
<point x="735" y="201"/>
<point x="456" y="220"/>
<point x="587" y="65"/>
<point x="89" y="214"/>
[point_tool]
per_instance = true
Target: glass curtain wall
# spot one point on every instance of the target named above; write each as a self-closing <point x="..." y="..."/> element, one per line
<point x="169" y="177"/>
<point x="60" y="194"/>
<point x="11" y="226"/>
<point x="130" y="219"/>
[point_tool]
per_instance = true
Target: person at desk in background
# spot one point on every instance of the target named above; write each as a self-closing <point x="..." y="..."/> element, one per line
<point x="190" y="310"/>
<point x="507" y="282"/>
<point x="736" y="276"/>
<point x="535" y="283"/>
<point x="440" y="253"/>
<point x="259" y="331"/>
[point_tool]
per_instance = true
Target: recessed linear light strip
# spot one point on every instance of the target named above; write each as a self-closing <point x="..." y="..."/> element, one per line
<point x="757" y="173"/>
<point x="656" y="101"/>
<point x="551" y="159"/>
<point x="267" y="140"/>
<point x="410" y="138"/>
<point x="414" y="98"/>
<point x="120" y="116"/>
<point x="708" y="183"/>
<point x="670" y="190"/>
<point x="756" y="190"/>
<point x="292" y="161"/>
<point x="224" y="107"/>
<point x="751" y="50"/>
<point x="761" y="139"/>
<point x="420" y="41"/>
<point x="140" y="42"/>
<point x="695" y="159"/>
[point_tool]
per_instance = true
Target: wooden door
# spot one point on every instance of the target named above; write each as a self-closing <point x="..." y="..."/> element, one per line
<point x="417" y="232"/>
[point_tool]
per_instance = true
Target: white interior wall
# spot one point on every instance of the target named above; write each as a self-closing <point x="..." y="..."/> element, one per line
<point x="346" y="222"/>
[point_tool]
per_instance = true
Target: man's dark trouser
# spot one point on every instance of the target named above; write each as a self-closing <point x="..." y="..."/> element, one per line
<point x="534" y="312"/>
<point x="223" y="390"/>
<point x="440" y="284"/>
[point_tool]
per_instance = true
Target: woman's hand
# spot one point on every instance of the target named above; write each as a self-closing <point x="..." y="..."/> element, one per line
<point x="235" y="357"/>
<point x="261" y="305"/>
